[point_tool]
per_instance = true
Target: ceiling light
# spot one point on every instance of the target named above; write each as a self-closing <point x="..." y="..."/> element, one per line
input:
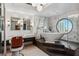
<point x="38" y="6"/>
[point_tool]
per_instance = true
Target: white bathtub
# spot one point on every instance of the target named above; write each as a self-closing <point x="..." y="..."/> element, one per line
<point x="52" y="37"/>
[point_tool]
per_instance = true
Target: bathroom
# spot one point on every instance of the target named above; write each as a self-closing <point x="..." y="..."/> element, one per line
<point x="46" y="24"/>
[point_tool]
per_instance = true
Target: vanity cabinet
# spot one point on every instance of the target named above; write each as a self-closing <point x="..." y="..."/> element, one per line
<point x="30" y="39"/>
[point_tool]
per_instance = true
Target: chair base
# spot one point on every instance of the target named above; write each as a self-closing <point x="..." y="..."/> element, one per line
<point x="17" y="53"/>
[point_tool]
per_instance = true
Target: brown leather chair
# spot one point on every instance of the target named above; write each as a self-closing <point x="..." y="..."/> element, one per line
<point x="17" y="45"/>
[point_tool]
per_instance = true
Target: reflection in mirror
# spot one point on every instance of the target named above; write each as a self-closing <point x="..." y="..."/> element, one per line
<point x="26" y="24"/>
<point x="15" y="23"/>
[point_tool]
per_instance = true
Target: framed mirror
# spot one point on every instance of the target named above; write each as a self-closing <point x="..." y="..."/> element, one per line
<point x="64" y="25"/>
<point x="26" y="24"/>
<point x="15" y="23"/>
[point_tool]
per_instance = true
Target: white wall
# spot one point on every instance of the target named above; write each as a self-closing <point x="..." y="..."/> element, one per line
<point x="21" y="11"/>
<point x="12" y="12"/>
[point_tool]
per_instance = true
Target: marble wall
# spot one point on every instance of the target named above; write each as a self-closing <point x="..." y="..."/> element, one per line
<point x="73" y="36"/>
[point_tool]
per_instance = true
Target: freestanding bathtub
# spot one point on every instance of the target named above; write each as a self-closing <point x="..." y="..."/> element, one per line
<point x="52" y="37"/>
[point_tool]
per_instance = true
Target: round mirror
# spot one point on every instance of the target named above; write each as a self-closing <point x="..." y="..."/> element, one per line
<point x="64" y="25"/>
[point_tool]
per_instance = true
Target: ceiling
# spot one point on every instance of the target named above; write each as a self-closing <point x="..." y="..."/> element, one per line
<point x="52" y="9"/>
<point x="61" y="9"/>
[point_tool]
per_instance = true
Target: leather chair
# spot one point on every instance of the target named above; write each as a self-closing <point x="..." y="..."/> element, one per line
<point x="17" y="44"/>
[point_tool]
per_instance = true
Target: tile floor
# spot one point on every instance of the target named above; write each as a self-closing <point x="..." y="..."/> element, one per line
<point x="31" y="50"/>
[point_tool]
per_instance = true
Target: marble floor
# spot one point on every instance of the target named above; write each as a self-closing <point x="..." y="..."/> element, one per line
<point x="31" y="50"/>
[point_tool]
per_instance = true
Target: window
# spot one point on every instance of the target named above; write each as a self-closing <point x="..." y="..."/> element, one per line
<point x="64" y="25"/>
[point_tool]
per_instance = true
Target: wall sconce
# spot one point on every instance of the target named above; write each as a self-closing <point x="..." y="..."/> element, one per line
<point x="8" y="23"/>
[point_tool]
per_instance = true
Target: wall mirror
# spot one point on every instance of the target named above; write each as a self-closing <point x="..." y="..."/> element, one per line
<point x="27" y="24"/>
<point x="64" y="25"/>
<point x="15" y="23"/>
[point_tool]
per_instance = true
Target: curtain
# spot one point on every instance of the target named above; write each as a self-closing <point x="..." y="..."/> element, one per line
<point x="39" y="23"/>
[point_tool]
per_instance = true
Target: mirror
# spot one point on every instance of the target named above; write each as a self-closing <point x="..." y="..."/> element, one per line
<point x="15" y="23"/>
<point x="27" y="24"/>
<point x="64" y="25"/>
